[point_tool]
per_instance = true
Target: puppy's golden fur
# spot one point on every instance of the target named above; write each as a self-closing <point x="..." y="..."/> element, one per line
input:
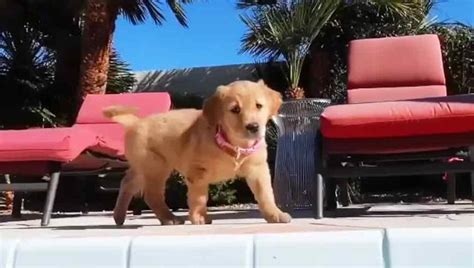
<point x="183" y="140"/>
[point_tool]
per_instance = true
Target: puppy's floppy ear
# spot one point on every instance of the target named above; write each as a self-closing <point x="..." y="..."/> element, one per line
<point x="212" y="106"/>
<point x="277" y="101"/>
<point x="274" y="99"/>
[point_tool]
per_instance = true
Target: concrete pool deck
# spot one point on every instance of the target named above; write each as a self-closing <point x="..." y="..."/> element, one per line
<point x="370" y="235"/>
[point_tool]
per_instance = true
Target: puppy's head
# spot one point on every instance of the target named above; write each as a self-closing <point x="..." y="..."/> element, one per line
<point x="242" y="109"/>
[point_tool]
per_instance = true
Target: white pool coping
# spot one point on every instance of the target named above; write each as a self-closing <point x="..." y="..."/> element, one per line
<point x="372" y="235"/>
<point x="389" y="248"/>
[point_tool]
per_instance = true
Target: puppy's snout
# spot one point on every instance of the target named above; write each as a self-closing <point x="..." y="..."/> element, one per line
<point x="252" y="128"/>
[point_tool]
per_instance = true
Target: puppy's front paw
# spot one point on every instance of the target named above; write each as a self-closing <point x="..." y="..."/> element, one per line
<point x="172" y="221"/>
<point x="199" y="219"/>
<point x="279" y="217"/>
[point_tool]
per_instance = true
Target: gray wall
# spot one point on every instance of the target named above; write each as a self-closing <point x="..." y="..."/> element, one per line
<point x="201" y="81"/>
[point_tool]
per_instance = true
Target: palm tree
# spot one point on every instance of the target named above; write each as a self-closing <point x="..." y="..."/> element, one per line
<point x="26" y="74"/>
<point x="120" y="78"/>
<point x="287" y="28"/>
<point x="99" y="25"/>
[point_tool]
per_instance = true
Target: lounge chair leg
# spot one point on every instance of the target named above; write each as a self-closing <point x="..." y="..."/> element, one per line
<point x="318" y="185"/>
<point x="471" y="157"/>
<point x="344" y="192"/>
<point x="16" y="209"/>
<point x="472" y="187"/>
<point x="331" y="193"/>
<point x="318" y="204"/>
<point x="51" y="195"/>
<point x="451" y="188"/>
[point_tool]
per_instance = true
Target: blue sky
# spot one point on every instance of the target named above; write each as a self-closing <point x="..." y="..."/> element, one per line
<point x="213" y="36"/>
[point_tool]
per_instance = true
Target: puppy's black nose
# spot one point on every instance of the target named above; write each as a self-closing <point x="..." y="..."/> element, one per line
<point x="252" y="127"/>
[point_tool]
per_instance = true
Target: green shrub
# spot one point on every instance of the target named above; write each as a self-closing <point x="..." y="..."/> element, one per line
<point x="223" y="193"/>
<point x="458" y="55"/>
<point x="219" y="194"/>
<point x="176" y="191"/>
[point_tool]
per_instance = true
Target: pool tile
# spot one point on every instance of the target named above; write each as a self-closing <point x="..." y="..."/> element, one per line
<point x="431" y="247"/>
<point x="90" y="252"/>
<point x="320" y="249"/>
<point x="7" y="252"/>
<point x="192" y="251"/>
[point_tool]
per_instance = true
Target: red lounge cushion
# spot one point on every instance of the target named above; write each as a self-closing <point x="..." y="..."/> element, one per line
<point x="396" y="62"/>
<point x="147" y="103"/>
<point x="110" y="134"/>
<point x="431" y="116"/>
<point x="110" y="138"/>
<point x="395" y="68"/>
<point x="45" y="144"/>
<point x="393" y="94"/>
<point x="92" y="131"/>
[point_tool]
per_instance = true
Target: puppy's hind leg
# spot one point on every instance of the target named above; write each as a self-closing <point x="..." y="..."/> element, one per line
<point x="131" y="184"/>
<point x="154" y="194"/>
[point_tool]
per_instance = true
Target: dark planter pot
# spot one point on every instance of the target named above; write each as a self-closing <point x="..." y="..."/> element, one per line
<point x="295" y="167"/>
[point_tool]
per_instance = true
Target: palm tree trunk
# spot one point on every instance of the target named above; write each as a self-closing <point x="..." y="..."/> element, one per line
<point x="99" y="26"/>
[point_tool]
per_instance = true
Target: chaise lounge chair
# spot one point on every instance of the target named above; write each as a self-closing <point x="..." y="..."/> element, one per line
<point x="398" y="121"/>
<point x="92" y="146"/>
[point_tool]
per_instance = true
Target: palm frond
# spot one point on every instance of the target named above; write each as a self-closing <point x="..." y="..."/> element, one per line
<point x="178" y="10"/>
<point x="402" y="8"/>
<point x="286" y="29"/>
<point x="137" y="11"/>
<point x="243" y="4"/>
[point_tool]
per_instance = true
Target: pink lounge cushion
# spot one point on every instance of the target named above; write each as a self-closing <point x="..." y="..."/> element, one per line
<point x="395" y="68"/>
<point x="91" y="132"/>
<point x="110" y="137"/>
<point x="45" y="144"/>
<point x="430" y="116"/>
<point x="147" y="103"/>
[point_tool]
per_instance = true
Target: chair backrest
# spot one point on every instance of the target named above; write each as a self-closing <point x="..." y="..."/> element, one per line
<point x="147" y="103"/>
<point x="395" y="68"/>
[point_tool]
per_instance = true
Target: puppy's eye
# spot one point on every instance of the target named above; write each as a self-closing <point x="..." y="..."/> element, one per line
<point x="259" y="106"/>
<point x="235" y="110"/>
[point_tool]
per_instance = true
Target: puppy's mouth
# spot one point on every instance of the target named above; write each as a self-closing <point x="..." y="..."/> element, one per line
<point x="254" y="136"/>
<point x="250" y="144"/>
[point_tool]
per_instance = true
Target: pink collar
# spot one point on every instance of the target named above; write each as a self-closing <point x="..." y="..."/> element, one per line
<point x="235" y="151"/>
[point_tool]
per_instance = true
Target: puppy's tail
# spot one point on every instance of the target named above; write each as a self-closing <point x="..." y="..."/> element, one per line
<point x="127" y="116"/>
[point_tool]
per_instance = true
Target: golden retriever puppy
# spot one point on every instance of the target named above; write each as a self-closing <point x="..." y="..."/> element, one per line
<point x="224" y="140"/>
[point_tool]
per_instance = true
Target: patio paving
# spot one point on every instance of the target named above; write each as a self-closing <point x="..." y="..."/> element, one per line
<point x="245" y="221"/>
